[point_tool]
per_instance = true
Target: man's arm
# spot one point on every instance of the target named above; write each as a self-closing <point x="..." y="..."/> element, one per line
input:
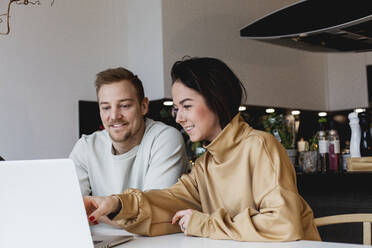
<point x="78" y="155"/>
<point x="167" y="161"/>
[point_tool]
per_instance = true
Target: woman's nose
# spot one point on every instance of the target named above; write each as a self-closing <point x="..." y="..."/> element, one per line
<point x="179" y="117"/>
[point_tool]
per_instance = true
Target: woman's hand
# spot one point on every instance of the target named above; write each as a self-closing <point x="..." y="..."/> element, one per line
<point x="184" y="217"/>
<point x="98" y="206"/>
<point x="106" y="220"/>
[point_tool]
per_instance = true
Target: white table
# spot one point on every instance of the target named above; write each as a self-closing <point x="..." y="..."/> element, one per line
<point x="179" y="240"/>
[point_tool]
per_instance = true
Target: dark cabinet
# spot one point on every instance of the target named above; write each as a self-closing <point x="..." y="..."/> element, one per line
<point x="330" y="194"/>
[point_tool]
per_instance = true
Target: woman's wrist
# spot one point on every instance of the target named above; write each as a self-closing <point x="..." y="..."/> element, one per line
<point x="116" y="206"/>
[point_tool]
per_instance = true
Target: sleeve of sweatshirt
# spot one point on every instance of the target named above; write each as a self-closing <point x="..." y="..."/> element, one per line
<point x="150" y="213"/>
<point x="278" y="207"/>
<point x="78" y="155"/>
<point x="167" y="161"/>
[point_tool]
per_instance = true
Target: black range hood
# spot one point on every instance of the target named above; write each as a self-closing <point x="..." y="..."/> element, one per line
<point x="317" y="25"/>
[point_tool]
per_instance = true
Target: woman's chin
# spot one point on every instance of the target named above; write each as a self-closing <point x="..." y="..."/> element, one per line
<point x="194" y="139"/>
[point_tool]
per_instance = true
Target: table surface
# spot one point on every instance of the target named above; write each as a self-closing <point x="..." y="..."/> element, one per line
<point x="179" y="240"/>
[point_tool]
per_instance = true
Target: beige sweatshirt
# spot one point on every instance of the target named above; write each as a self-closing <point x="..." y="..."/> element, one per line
<point x="242" y="188"/>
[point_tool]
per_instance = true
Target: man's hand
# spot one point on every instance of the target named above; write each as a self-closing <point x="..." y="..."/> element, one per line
<point x="184" y="217"/>
<point x="98" y="206"/>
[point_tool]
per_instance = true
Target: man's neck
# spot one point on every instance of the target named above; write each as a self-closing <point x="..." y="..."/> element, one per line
<point x="118" y="148"/>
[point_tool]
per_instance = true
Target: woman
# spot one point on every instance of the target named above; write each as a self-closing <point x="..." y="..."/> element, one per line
<point x="243" y="187"/>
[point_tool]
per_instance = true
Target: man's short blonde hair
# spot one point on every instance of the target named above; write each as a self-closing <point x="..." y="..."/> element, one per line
<point x="114" y="75"/>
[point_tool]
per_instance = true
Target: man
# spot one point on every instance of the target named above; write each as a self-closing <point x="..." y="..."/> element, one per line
<point x="132" y="151"/>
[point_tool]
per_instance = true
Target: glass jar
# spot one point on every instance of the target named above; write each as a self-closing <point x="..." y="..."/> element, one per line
<point x="309" y="161"/>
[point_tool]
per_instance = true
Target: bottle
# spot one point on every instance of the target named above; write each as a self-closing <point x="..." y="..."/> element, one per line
<point x="345" y="156"/>
<point x="355" y="135"/>
<point x="302" y="147"/>
<point x="323" y="160"/>
<point x="334" y="149"/>
<point x="365" y="141"/>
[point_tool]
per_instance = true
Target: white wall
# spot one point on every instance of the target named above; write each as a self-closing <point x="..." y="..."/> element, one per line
<point x="346" y="80"/>
<point x="145" y="45"/>
<point x="50" y="59"/>
<point x="273" y="75"/>
<point x="47" y="64"/>
<point x="368" y="58"/>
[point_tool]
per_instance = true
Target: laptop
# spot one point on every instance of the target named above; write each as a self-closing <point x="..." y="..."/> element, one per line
<point x="41" y="206"/>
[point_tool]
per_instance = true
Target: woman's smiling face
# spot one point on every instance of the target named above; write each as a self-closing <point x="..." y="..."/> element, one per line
<point x="193" y="114"/>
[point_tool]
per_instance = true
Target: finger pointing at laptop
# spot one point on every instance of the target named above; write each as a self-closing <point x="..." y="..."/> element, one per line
<point x="99" y="206"/>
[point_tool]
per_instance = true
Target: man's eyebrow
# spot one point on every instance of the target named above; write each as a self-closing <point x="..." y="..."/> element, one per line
<point x="121" y="100"/>
<point x="126" y="99"/>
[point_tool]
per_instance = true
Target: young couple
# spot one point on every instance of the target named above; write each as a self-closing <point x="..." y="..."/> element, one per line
<point x="243" y="187"/>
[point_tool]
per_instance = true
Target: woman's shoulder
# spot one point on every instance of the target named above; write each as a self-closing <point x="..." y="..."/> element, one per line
<point x="260" y="137"/>
<point x="200" y="164"/>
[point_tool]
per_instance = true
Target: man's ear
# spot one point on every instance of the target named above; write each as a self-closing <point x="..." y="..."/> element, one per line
<point x="145" y="106"/>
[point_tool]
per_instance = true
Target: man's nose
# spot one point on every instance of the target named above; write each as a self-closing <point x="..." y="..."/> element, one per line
<point x="115" y="114"/>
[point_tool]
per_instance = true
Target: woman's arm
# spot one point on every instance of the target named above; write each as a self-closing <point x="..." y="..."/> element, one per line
<point x="277" y="219"/>
<point x="278" y="213"/>
<point x="148" y="213"/>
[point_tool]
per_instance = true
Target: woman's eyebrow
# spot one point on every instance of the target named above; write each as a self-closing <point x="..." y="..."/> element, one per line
<point x="184" y="100"/>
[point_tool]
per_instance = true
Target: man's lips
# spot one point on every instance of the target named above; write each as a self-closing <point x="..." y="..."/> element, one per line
<point x="118" y="125"/>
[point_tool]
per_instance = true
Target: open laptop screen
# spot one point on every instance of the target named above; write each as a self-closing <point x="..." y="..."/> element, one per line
<point x="41" y="205"/>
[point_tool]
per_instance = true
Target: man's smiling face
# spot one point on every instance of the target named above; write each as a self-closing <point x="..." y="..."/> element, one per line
<point x="121" y="112"/>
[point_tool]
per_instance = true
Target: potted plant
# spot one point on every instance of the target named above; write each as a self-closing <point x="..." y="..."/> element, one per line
<point x="284" y="131"/>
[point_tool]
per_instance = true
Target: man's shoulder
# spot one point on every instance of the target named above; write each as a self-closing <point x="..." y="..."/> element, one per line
<point x="155" y="128"/>
<point x="89" y="143"/>
<point x="97" y="137"/>
<point x="157" y="131"/>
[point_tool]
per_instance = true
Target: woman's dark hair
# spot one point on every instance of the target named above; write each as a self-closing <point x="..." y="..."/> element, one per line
<point x="215" y="81"/>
